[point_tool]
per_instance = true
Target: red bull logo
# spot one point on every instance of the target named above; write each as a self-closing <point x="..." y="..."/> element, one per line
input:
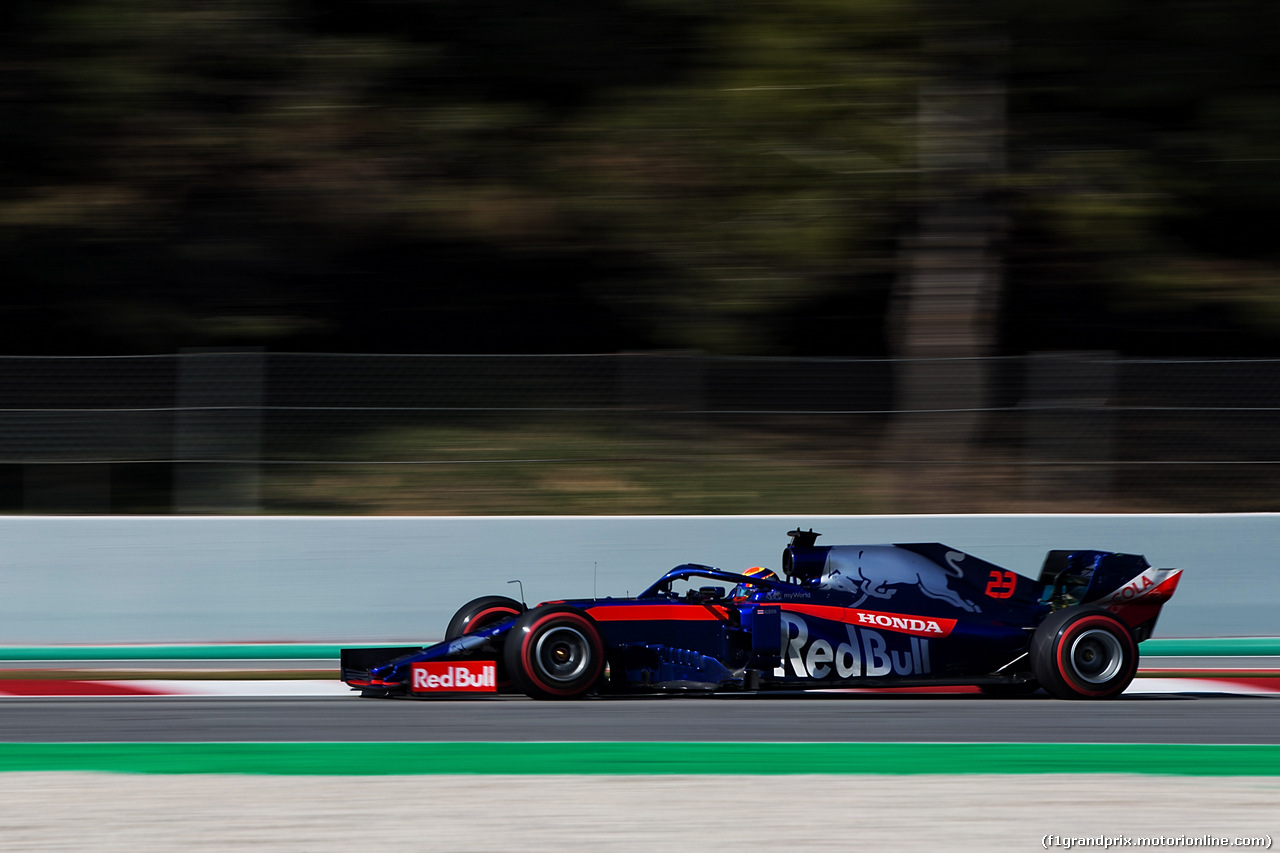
<point x="865" y="653"/>
<point x="468" y="676"/>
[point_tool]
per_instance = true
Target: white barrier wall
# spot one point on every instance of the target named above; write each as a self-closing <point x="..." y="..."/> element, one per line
<point x="119" y="579"/>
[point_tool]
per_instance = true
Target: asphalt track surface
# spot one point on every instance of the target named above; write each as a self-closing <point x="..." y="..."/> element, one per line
<point x="802" y="718"/>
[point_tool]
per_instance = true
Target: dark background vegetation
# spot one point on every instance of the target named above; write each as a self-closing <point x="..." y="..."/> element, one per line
<point x="236" y="188"/>
<point x="607" y="175"/>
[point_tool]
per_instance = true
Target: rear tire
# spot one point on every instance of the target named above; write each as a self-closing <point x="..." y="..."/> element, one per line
<point x="1083" y="653"/>
<point x="555" y="652"/>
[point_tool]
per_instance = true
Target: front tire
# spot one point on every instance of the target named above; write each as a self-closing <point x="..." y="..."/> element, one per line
<point x="481" y="613"/>
<point x="555" y="652"/>
<point x="1083" y="653"/>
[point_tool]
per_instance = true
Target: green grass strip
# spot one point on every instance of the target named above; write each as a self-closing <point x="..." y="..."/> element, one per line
<point x="1190" y="647"/>
<point x="1218" y="647"/>
<point x="226" y="651"/>
<point x="765" y="759"/>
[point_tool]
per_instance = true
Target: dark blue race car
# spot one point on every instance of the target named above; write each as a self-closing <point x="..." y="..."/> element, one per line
<point x="842" y="616"/>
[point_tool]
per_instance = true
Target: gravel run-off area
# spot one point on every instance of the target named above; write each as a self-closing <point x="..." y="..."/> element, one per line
<point x="44" y="811"/>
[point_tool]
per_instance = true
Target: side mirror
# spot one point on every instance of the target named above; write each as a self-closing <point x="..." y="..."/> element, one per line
<point x="705" y="593"/>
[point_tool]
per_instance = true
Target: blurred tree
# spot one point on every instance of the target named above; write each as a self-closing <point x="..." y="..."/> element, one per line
<point x="491" y="175"/>
<point x="240" y="171"/>
<point x="768" y="186"/>
<point x="1145" y="165"/>
<point x="264" y="171"/>
<point x="943" y="316"/>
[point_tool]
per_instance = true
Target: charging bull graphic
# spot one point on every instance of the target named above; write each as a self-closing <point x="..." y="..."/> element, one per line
<point x="872" y="570"/>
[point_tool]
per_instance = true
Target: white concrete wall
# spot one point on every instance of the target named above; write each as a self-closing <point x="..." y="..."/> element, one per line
<point x="118" y="579"/>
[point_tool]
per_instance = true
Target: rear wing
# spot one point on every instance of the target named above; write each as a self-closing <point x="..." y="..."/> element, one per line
<point x="1083" y="577"/>
<point x="1125" y="584"/>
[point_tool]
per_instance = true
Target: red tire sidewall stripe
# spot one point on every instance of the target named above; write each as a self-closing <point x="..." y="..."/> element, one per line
<point x="589" y="631"/>
<point x="1068" y="636"/>
<point x="475" y="619"/>
<point x="471" y="623"/>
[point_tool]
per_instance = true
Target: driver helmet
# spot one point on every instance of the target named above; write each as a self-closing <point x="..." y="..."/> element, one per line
<point x="742" y="590"/>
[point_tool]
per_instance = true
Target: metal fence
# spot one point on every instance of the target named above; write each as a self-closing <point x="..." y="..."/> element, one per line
<point x="219" y="431"/>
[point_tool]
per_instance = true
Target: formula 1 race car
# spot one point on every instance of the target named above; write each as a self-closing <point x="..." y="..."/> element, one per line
<point x="843" y="616"/>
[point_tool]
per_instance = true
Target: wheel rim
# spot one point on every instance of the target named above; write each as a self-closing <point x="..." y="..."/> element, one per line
<point x="562" y="653"/>
<point x="1096" y="656"/>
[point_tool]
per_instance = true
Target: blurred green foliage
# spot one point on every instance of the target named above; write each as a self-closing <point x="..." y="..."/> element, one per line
<point x="597" y="175"/>
<point x="562" y="466"/>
